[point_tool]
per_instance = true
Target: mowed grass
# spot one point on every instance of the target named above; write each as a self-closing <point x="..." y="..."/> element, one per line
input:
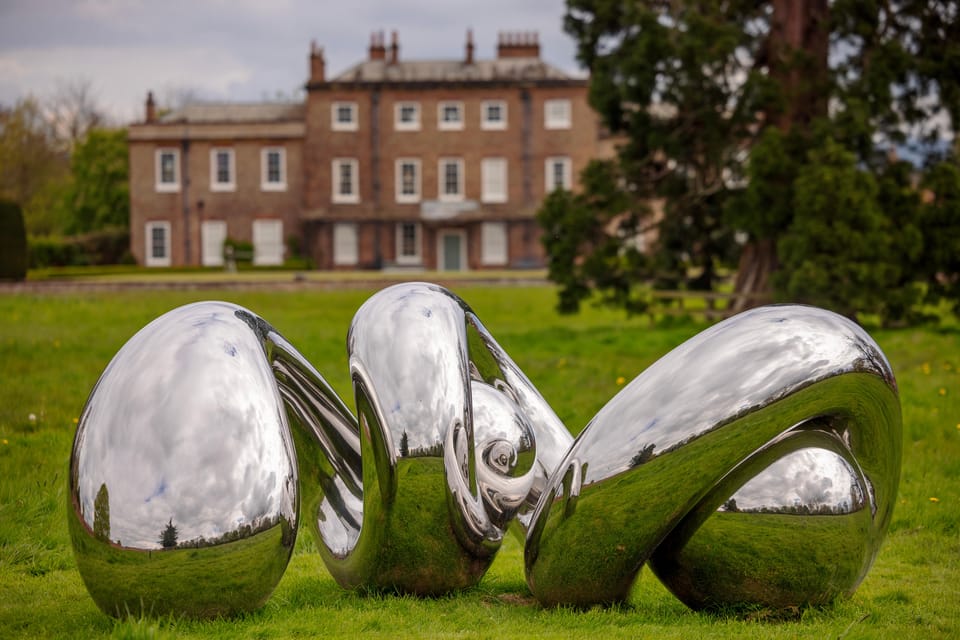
<point x="54" y="347"/>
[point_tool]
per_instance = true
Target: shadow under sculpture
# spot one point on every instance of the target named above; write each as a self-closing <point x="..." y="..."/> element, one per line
<point x="755" y="464"/>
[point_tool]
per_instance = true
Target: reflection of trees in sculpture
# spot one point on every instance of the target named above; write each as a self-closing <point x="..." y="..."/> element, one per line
<point x="404" y="445"/>
<point x="101" y="514"/>
<point x="242" y="532"/>
<point x="642" y="456"/>
<point x="168" y="538"/>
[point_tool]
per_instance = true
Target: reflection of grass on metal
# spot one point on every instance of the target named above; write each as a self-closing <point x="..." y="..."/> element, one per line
<point x="216" y="580"/>
<point x="420" y="521"/>
<point x="775" y="554"/>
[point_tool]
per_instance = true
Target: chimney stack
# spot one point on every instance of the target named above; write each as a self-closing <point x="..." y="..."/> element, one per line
<point x="151" y="109"/>
<point x="518" y="44"/>
<point x="317" y="63"/>
<point x="394" y="48"/>
<point x="469" y="57"/>
<point x="377" y="49"/>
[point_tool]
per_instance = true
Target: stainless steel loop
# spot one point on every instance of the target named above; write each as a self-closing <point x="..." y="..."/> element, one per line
<point x="757" y="463"/>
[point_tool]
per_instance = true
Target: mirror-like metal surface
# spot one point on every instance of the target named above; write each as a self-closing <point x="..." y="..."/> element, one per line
<point x="757" y="463"/>
<point x="453" y="439"/>
<point x="183" y="485"/>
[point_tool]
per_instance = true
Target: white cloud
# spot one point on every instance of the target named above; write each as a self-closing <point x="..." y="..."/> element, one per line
<point x="238" y="49"/>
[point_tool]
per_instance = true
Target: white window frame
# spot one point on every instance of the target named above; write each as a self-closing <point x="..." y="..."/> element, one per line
<point x="494" y="244"/>
<point x="265" y="183"/>
<point x="149" y="259"/>
<point x="400" y="125"/>
<point x="444" y="125"/>
<point x="231" y="183"/>
<point x="346" y="244"/>
<point x="213" y="258"/>
<point x="406" y="198"/>
<point x="549" y="184"/>
<point x="335" y="195"/>
<point x="493" y="125"/>
<point x="490" y="170"/>
<point x="557" y="114"/>
<point x="258" y="257"/>
<point x="336" y="124"/>
<point x="174" y="185"/>
<point x="416" y="258"/>
<point x="442" y="195"/>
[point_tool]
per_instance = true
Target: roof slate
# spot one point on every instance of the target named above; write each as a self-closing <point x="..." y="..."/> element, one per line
<point x="210" y="112"/>
<point x="502" y="69"/>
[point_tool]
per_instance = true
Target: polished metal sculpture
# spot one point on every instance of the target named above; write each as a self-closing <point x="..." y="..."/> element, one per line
<point x="755" y="464"/>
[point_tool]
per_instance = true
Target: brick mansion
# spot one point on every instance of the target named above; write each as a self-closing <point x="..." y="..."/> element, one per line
<point x="393" y="163"/>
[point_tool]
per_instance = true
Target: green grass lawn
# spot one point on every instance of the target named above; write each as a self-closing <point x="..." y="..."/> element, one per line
<point x="54" y="347"/>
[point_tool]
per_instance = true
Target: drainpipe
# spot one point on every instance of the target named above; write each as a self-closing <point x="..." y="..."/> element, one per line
<point x="526" y="155"/>
<point x="185" y="196"/>
<point x="375" y="174"/>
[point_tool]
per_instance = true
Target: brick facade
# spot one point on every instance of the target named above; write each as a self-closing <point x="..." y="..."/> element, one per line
<point x="384" y="163"/>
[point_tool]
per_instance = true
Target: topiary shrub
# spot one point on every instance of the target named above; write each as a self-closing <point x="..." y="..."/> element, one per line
<point x="13" y="242"/>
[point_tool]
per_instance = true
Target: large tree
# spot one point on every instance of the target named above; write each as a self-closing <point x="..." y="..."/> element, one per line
<point x="98" y="196"/>
<point x="693" y="86"/>
<point x="33" y="167"/>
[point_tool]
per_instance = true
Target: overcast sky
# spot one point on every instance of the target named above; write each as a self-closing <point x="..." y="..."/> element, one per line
<point x="238" y="50"/>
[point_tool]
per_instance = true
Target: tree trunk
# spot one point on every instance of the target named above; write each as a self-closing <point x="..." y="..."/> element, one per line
<point x="752" y="286"/>
<point x="799" y="44"/>
<point x="797" y="55"/>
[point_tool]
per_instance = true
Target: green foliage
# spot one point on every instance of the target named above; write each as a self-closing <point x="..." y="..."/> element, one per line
<point x="33" y="166"/>
<point x="13" y="242"/>
<point x="239" y="251"/>
<point x="696" y="89"/>
<point x="102" y="247"/>
<point x="835" y="253"/>
<point x="98" y="196"/>
<point x="583" y="235"/>
<point x="940" y="221"/>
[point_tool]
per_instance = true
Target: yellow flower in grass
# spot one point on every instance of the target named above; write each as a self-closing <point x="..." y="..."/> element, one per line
<point x="942" y="391"/>
<point x="934" y="499"/>
<point x="620" y="380"/>
<point x="925" y="368"/>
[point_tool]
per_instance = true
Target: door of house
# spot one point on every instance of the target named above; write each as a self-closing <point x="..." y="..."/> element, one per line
<point x="212" y="235"/>
<point x="452" y="251"/>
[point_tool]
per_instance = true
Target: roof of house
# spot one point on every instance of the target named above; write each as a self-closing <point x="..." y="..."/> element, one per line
<point x="501" y="69"/>
<point x="212" y="112"/>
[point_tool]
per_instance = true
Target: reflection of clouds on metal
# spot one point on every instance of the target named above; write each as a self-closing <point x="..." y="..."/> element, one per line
<point x="756" y="463"/>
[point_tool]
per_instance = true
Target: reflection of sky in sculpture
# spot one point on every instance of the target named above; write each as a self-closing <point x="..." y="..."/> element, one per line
<point x="697" y="386"/>
<point x="185" y="427"/>
<point x="413" y="351"/>
<point x="812" y="478"/>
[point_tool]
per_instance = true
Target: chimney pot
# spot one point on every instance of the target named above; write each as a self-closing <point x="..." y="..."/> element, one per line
<point x="377" y="50"/>
<point x="469" y="56"/>
<point x="518" y="44"/>
<point x="151" y="108"/>
<point x="394" y="47"/>
<point x="317" y="63"/>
